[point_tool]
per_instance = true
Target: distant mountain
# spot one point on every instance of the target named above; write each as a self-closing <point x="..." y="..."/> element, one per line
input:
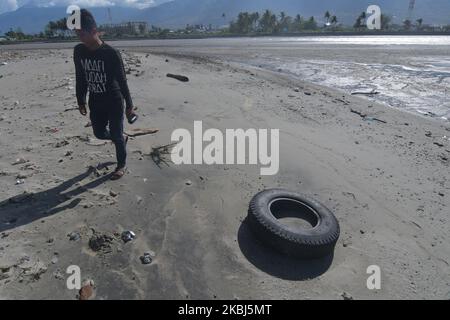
<point x="32" y="18"/>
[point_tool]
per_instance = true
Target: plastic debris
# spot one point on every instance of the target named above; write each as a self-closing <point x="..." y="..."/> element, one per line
<point x="74" y="236"/>
<point x="113" y="193"/>
<point x="20" y="181"/>
<point x="346" y="296"/>
<point x="146" y="258"/>
<point x="127" y="236"/>
<point x="100" y="242"/>
<point x="19" y="161"/>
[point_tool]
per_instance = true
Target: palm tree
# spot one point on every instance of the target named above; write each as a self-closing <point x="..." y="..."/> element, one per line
<point x="254" y="17"/>
<point x="334" y="20"/>
<point x="285" y="22"/>
<point x="311" y="24"/>
<point x="298" y="22"/>
<point x="359" y="24"/>
<point x="419" y="23"/>
<point x="327" y="16"/>
<point x="268" y="22"/>
<point x="385" y="22"/>
<point x="407" y="24"/>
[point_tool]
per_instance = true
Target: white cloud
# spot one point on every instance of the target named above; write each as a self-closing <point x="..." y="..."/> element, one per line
<point x="11" y="5"/>
<point x="8" y="5"/>
<point x="97" y="3"/>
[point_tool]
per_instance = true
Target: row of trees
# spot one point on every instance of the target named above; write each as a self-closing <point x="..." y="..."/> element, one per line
<point x="269" y="22"/>
<point x="57" y="28"/>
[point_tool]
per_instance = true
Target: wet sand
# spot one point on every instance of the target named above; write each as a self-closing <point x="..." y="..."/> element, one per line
<point x="387" y="183"/>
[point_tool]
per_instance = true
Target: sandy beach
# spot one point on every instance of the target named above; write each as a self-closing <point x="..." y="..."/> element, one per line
<point x="387" y="182"/>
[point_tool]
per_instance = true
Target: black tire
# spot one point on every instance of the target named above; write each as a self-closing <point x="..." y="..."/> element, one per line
<point x="306" y="243"/>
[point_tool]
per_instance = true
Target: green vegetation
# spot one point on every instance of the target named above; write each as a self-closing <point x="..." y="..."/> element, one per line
<point x="245" y="24"/>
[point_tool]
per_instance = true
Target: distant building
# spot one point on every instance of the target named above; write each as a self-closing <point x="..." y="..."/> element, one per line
<point x="130" y="28"/>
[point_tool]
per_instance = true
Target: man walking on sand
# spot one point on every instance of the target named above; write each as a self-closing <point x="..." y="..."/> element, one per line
<point x="99" y="70"/>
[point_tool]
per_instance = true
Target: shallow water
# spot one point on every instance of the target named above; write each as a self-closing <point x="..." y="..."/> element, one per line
<point x="411" y="73"/>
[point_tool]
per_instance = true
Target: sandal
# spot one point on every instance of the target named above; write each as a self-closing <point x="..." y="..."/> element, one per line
<point x="118" y="173"/>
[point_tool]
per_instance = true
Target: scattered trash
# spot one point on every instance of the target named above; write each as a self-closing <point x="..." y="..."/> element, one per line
<point x="19" y="161"/>
<point x="61" y="144"/>
<point x="88" y="205"/>
<point x="84" y="138"/>
<point x="100" y="242"/>
<point x="139" y="199"/>
<point x="53" y="130"/>
<point x="20" y="181"/>
<point x="87" y="125"/>
<point x="21" y="176"/>
<point x="128" y="236"/>
<point x="440" y="145"/>
<point x="4" y="63"/>
<point x="188" y="182"/>
<point x="58" y="275"/>
<point x="87" y="290"/>
<point x="68" y="153"/>
<point x="158" y="154"/>
<point x="71" y="109"/>
<point x="365" y="117"/>
<point x="178" y="77"/>
<point x="140" y="132"/>
<point x="112" y="193"/>
<point x="428" y="134"/>
<point x="74" y="236"/>
<point x="346" y="296"/>
<point x="55" y="259"/>
<point x="370" y="93"/>
<point x="307" y="93"/>
<point x="146" y="258"/>
<point x="167" y="60"/>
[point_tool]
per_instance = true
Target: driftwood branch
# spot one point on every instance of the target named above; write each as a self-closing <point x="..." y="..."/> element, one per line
<point x="365" y="116"/>
<point x="140" y="132"/>
<point x="159" y="154"/>
<point x="366" y="93"/>
<point x="178" y="77"/>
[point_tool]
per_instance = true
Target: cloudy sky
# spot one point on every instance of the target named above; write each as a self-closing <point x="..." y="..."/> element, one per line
<point x="11" y="5"/>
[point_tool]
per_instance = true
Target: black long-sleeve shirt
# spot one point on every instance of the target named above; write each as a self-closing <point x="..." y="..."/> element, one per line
<point x="101" y="72"/>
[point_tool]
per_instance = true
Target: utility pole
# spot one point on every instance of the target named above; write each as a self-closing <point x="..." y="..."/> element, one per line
<point x="109" y="16"/>
<point x="412" y="3"/>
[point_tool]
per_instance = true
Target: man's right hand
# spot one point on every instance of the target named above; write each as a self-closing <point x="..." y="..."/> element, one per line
<point x="82" y="109"/>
